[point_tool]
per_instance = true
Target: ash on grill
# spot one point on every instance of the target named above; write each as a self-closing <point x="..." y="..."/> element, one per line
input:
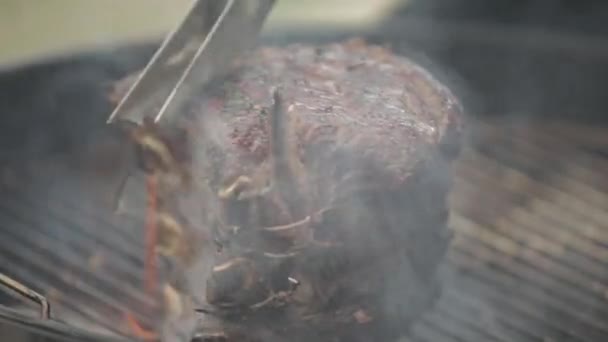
<point x="320" y="177"/>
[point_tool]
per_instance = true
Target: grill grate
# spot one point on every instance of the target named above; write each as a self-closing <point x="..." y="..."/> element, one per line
<point x="528" y="260"/>
<point x="87" y="261"/>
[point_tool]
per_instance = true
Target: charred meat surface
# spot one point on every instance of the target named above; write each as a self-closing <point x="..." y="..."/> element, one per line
<point x="323" y="173"/>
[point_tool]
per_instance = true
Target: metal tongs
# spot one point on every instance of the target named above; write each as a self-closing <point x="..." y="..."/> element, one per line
<point x="200" y="49"/>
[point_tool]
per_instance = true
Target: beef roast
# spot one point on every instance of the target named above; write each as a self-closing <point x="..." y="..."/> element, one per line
<point x="321" y="175"/>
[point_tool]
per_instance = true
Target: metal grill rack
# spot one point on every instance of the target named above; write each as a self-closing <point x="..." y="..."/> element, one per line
<point x="74" y="250"/>
<point x="528" y="260"/>
<point x="530" y="215"/>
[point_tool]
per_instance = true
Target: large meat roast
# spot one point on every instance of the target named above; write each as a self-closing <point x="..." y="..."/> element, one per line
<point x="313" y="202"/>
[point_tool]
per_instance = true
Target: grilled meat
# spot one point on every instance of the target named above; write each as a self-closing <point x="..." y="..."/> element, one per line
<point x="323" y="173"/>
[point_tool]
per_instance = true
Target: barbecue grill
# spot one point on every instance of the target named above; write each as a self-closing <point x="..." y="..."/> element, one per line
<point x="529" y="207"/>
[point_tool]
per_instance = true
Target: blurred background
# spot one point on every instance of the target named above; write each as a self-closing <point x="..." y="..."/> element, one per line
<point x="32" y="29"/>
<point x="523" y="57"/>
<point x="529" y="260"/>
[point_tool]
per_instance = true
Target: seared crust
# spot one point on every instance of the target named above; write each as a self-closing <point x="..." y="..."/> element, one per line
<point x="363" y="98"/>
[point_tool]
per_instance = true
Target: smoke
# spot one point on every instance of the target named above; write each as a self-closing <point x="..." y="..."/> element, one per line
<point x="57" y="109"/>
<point x="527" y="65"/>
